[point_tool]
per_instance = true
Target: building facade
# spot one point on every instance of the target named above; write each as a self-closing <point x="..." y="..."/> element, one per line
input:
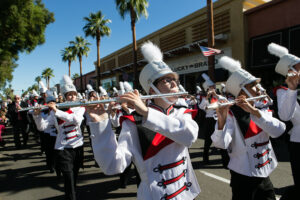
<point x="180" y="42"/>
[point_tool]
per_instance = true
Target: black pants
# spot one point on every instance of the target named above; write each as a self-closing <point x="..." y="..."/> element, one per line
<point x="294" y="149"/>
<point x="209" y="130"/>
<point x="124" y="177"/>
<point x="69" y="161"/>
<point x="20" y="127"/>
<point x="49" y="151"/>
<point x="251" y="188"/>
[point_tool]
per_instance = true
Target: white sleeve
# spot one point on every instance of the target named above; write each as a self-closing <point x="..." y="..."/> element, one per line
<point x="76" y="118"/>
<point x="41" y="123"/>
<point x="223" y="138"/>
<point x="203" y="104"/>
<point x="181" y="129"/>
<point x="269" y="124"/>
<point x="286" y="103"/>
<point x="113" y="157"/>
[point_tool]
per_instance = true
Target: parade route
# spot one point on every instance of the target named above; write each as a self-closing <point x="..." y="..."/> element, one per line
<point x="23" y="175"/>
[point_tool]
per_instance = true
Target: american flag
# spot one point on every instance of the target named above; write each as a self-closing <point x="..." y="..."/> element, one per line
<point x="210" y="51"/>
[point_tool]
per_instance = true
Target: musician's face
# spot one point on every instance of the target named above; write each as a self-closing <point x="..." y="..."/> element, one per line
<point x="71" y="96"/>
<point x="297" y="67"/>
<point x="252" y="89"/>
<point x="92" y="96"/>
<point x="168" y="84"/>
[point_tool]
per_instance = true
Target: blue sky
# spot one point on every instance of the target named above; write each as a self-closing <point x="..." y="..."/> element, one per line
<point x="69" y="22"/>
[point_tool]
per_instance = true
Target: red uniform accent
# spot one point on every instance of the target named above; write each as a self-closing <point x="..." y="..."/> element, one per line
<point x="62" y="121"/>
<point x="252" y="130"/>
<point x="277" y="88"/>
<point x="157" y="144"/>
<point x="193" y="111"/>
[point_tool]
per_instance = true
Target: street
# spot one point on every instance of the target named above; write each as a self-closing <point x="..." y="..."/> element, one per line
<point x="24" y="176"/>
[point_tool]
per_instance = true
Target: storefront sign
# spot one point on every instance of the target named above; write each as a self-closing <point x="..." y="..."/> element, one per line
<point x="194" y="63"/>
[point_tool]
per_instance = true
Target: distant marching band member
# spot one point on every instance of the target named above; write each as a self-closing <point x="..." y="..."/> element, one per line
<point x="69" y="140"/>
<point x="245" y="132"/>
<point x="288" y="107"/>
<point x="210" y="121"/>
<point x="46" y="123"/>
<point x="155" y="138"/>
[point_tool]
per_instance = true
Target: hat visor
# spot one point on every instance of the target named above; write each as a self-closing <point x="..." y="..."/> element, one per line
<point x="164" y="73"/>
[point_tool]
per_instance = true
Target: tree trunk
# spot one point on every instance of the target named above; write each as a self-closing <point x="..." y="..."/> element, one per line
<point x="210" y="39"/>
<point x="81" y="83"/>
<point x="136" y="82"/>
<point x="48" y="84"/>
<point x="69" y="63"/>
<point x="98" y="71"/>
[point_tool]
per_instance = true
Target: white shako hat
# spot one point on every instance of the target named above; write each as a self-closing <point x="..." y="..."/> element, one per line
<point x="122" y="89"/>
<point x="50" y="97"/>
<point x="89" y="89"/>
<point x="115" y="90"/>
<point x="79" y="96"/>
<point x="102" y="91"/>
<point x="55" y="94"/>
<point x="198" y="89"/>
<point x="34" y="93"/>
<point x="238" y="78"/>
<point x="43" y="88"/>
<point x="207" y="83"/>
<point x="223" y="87"/>
<point x="286" y="62"/>
<point x="66" y="85"/>
<point x="155" y="68"/>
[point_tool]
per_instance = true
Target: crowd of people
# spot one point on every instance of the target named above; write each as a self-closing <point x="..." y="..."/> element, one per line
<point x="154" y="135"/>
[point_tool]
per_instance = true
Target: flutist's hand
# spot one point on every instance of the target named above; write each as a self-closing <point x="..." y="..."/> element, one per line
<point x="52" y="106"/>
<point x="134" y="101"/>
<point x="222" y="114"/>
<point x="97" y="112"/>
<point x="37" y="111"/>
<point x="293" y="81"/>
<point x="246" y="106"/>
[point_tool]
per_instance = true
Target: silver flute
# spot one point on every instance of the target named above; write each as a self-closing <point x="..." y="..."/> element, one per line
<point x="104" y="101"/>
<point x="218" y="105"/>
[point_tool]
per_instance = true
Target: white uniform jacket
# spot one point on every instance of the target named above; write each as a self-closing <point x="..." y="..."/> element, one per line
<point x="203" y="105"/>
<point x="288" y="109"/>
<point x="164" y="164"/>
<point x="46" y="123"/>
<point x="68" y="126"/>
<point x="251" y="154"/>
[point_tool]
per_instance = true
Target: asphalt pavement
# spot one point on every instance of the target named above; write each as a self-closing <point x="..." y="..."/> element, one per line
<point x="24" y="176"/>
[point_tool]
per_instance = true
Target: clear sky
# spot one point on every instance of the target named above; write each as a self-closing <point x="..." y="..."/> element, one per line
<point x="68" y="24"/>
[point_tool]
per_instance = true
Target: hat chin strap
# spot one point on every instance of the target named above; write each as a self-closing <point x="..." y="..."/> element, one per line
<point x="247" y="92"/>
<point x="158" y="92"/>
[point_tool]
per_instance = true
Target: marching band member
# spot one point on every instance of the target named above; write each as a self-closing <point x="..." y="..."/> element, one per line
<point x="244" y="131"/>
<point x="210" y="121"/>
<point x="155" y="138"/>
<point x="69" y="140"/>
<point x="288" y="107"/>
<point x="46" y="123"/>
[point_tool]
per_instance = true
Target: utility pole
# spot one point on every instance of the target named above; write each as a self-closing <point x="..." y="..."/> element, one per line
<point x="210" y="39"/>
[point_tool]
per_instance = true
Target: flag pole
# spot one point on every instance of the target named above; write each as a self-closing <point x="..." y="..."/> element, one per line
<point x="210" y="39"/>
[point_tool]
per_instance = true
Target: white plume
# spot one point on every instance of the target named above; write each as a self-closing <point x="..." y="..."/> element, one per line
<point x="102" y="91"/>
<point x="205" y="77"/>
<point x="66" y="80"/>
<point x="89" y="87"/>
<point x="83" y="95"/>
<point x="115" y="90"/>
<point x="198" y="88"/>
<point x="34" y="93"/>
<point x="181" y="88"/>
<point x="79" y="95"/>
<point x="151" y="52"/>
<point x="42" y="85"/>
<point x="229" y="64"/>
<point x="127" y="87"/>
<point x="277" y="50"/>
<point x="122" y="89"/>
<point x="222" y="85"/>
<point x="55" y="95"/>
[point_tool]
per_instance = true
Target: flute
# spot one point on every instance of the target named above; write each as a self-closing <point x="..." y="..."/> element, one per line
<point x="104" y="101"/>
<point x="218" y="105"/>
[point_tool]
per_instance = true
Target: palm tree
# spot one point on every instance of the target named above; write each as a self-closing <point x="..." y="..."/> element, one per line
<point x="75" y="76"/>
<point x="81" y="48"/>
<point x="136" y="8"/>
<point x="38" y="79"/>
<point x="47" y="74"/>
<point x="67" y="54"/>
<point x="96" y="28"/>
